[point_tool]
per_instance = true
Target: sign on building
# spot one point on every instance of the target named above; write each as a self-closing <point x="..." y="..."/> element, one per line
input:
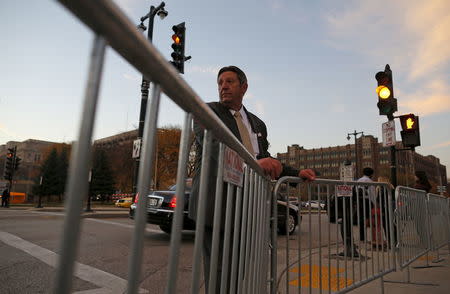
<point x="388" y="129"/>
<point x="136" y="148"/>
<point x="233" y="167"/>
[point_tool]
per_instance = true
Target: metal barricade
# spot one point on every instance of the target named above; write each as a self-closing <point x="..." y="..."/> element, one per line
<point x="438" y="211"/>
<point x="339" y="247"/>
<point x="245" y="251"/>
<point x="412" y="222"/>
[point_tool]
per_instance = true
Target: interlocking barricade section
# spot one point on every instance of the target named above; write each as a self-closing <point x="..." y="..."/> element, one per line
<point x="242" y="247"/>
<point x="337" y="247"/>
<point x="439" y="221"/>
<point x="413" y="224"/>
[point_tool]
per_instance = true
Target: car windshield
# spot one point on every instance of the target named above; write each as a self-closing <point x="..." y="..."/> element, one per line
<point x="188" y="186"/>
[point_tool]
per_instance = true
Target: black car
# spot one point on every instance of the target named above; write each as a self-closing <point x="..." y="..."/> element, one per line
<point x="161" y="207"/>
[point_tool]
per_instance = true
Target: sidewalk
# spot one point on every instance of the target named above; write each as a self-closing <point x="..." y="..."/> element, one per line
<point x="328" y="273"/>
<point x="98" y="210"/>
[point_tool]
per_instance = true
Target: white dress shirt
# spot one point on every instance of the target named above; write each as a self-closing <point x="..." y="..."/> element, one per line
<point x="253" y="136"/>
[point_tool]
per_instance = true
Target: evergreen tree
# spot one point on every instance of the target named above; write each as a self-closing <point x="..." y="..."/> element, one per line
<point x="102" y="182"/>
<point x="63" y="163"/>
<point x="49" y="173"/>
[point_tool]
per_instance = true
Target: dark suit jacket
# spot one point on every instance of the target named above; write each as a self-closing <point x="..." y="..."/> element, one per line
<point x="225" y="115"/>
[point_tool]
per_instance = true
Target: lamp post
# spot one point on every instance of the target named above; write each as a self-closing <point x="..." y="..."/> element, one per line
<point x="355" y="133"/>
<point x="162" y="13"/>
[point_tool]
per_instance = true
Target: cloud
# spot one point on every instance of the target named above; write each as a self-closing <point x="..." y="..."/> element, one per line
<point x="433" y="98"/>
<point x="338" y="108"/>
<point x="440" y="145"/>
<point x="412" y="34"/>
<point x="212" y="70"/>
<point x="132" y="77"/>
<point x="259" y="108"/>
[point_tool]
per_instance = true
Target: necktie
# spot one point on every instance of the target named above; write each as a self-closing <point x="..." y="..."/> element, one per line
<point x="243" y="131"/>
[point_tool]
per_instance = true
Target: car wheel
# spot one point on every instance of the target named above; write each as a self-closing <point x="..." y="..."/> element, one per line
<point x="292" y="224"/>
<point x="166" y="228"/>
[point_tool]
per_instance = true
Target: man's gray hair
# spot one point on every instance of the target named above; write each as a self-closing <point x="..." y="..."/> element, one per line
<point x="240" y="74"/>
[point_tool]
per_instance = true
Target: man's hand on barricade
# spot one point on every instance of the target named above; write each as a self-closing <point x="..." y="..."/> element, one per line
<point x="271" y="167"/>
<point x="307" y="175"/>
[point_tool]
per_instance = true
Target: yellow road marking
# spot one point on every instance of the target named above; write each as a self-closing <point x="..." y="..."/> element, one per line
<point x="320" y="274"/>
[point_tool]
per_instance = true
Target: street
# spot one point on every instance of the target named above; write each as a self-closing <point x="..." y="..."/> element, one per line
<point x="29" y="244"/>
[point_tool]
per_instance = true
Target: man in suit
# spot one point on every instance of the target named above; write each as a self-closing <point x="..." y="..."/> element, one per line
<point x="249" y="130"/>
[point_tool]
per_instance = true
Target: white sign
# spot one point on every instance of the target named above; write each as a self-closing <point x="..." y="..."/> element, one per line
<point x="136" y="148"/>
<point x="233" y="167"/>
<point x="441" y="189"/>
<point x="388" y="129"/>
<point x="346" y="173"/>
<point x="344" y="190"/>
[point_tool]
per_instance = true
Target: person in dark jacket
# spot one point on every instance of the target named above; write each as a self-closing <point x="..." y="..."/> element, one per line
<point x="422" y="182"/>
<point x="5" y="198"/>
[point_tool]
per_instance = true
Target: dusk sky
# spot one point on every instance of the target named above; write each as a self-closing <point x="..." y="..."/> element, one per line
<point x="311" y="67"/>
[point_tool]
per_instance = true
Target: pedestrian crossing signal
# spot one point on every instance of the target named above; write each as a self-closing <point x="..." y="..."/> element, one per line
<point x="410" y="130"/>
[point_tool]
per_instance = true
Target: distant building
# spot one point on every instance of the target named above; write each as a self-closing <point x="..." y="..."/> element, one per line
<point x="369" y="153"/>
<point x="32" y="154"/>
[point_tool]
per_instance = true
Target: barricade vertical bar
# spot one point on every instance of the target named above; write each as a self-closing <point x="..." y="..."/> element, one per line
<point x="216" y="223"/>
<point x="227" y="239"/>
<point x="144" y="176"/>
<point x="257" y="245"/>
<point x="310" y="239"/>
<point x="200" y="220"/>
<point x="77" y="183"/>
<point x="235" y="250"/>
<point x="299" y="239"/>
<point x="320" y="239"/>
<point x="344" y="223"/>
<point x="249" y="234"/>
<point x="243" y="244"/>
<point x="329" y="240"/>
<point x="392" y="232"/>
<point x="274" y="243"/>
<point x="358" y="218"/>
<point x="177" y="225"/>
<point x="352" y="246"/>
<point x="336" y="199"/>
<point x="287" y="237"/>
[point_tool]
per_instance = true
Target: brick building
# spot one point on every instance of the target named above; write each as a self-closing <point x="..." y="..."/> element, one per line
<point x="369" y="153"/>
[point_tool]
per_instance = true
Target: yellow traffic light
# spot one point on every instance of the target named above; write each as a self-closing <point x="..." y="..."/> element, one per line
<point x="383" y="92"/>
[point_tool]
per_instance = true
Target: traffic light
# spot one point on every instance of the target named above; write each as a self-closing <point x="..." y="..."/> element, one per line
<point x="178" y="44"/>
<point x="9" y="165"/>
<point x="17" y="162"/>
<point x="387" y="104"/>
<point x="410" y="130"/>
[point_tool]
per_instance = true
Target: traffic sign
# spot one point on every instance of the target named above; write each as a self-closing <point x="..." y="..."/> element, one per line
<point x="136" y="148"/>
<point x="388" y="129"/>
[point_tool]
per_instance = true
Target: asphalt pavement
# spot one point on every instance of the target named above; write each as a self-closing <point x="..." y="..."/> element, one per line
<point x="427" y="275"/>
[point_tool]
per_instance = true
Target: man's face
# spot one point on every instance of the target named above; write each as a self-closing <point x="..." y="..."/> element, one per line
<point x="231" y="91"/>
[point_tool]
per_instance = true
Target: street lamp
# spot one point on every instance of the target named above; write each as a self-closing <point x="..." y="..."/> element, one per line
<point x="355" y="133"/>
<point x="162" y="13"/>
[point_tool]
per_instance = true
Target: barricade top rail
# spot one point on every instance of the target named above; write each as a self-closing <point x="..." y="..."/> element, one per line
<point x="106" y="19"/>
<point x="327" y="181"/>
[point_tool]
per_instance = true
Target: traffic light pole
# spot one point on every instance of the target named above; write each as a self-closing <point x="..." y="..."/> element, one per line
<point x="393" y="159"/>
<point x="145" y="85"/>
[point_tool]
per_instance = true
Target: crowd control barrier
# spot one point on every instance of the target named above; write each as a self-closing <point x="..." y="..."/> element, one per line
<point x="245" y="252"/>
<point x="339" y="247"/>
<point x="439" y="216"/>
<point x="413" y="224"/>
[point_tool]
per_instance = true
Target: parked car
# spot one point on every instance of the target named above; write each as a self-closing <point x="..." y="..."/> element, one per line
<point x="315" y="204"/>
<point x="161" y="207"/>
<point x="124" y="202"/>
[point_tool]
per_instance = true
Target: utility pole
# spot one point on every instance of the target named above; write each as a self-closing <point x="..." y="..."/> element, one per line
<point x="355" y="133"/>
<point x="145" y="85"/>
